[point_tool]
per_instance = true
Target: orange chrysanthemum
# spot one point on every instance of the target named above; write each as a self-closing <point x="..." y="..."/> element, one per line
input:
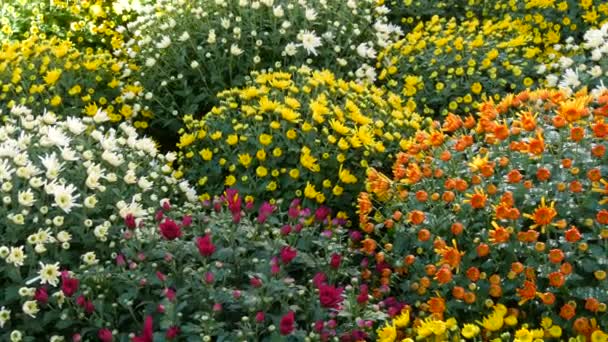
<point x="477" y="200"/>
<point x="499" y="234"/>
<point x="543" y="215"/>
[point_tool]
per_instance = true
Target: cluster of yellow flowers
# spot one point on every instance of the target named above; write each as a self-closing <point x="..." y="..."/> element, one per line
<point x="446" y="66"/>
<point x="52" y="74"/>
<point x="292" y="134"/>
<point x="86" y="22"/>
<point x="551" y="21"/>
<point x="501" y="325"/>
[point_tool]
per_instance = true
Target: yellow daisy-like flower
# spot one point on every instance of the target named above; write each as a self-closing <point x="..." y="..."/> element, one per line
<point x="388" y="333"/>
<point x="470" y="331"/>
<point x="402" y="320"/>
<point x="52" y="76"/>
<point x="265" y="139"/>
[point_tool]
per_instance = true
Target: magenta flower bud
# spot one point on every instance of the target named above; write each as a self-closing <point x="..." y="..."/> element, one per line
<point x="255" y="282"/>
<point x="318" y="327"/>
<point x="76" y="338"/>
<point x="186" y="221"/>
<point x="332" y="323"/>
<point x="274" y="269"/>
<point x="159" y="215"/>
<point x="120" y="260"/>
<point x="236" y="294"/>
<point x="130" y="221"/>
<point x="168" y="257"/>
<point x="160" y="308"/>
<point x="260" y="317"/>
<point x="217" y="307"/>
<point x="141" y="256"/>
<point x="298" y="227"/>
<point x="209" y="278"/>
<point x="285" y="230"/>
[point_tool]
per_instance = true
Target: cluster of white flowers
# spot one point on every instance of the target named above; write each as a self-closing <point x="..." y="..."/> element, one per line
<point x="580" y="63"/>
<point x="63" y="183"/>
<point x="181" y="42"/>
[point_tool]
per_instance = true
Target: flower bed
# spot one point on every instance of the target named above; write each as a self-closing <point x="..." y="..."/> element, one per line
<point x="445" y="66"/>
<point x="294" y="134"/>
<point x="502" y="222"/>
<point x="190" y="50"/>
<point x="54" y="75"/>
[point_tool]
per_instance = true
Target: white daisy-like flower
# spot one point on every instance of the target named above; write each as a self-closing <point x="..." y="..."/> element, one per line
<point x="90" y="258"/>
<point x="30" y="308"/>
<point x="570" y="79"/>
<point x="49" y="274"/>
<point x="235" y="50"/>
<point x="90" y="201"/>
<point x="164" y="43"/>
<point x="278" y="12"/>
<point x="16" y="256"/>
<point x="75" y="125"/>
<point x="65" y="198"/>
<point x="5" y="316"/>
<point x="26" y="198"/>
<point x="52" y="165"/>
<point x="291" y="49"/>
<point x="54" y="137"/>
<point x="185" y="36"/>
<point x="64" y="236"/>
<point x="593" y="38"/>
<point x="101" y="116"/>
<point x="20" y="110"/>
<point x="150" y="62"/>
<point x="310" y="14"/>
<point x="310" y="41"/>
<point x="6" y="171"/>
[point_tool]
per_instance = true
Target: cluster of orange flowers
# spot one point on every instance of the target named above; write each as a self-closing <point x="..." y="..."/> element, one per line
<point x="508" y="207"/>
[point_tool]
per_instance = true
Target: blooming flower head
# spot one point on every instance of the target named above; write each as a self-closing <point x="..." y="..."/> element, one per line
<point x="49" y="273"/>
<point x="310" y="41"/>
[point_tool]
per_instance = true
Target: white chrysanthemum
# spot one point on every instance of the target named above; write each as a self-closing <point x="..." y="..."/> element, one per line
<point x="16" y="256"/>
<point x="164" y="42"/>
<point x="20" y="110"/>
<point x="30" y="308"/>
<point x="235" y="50"/>
<point x="90" y="201"/>
<point x="185" y="36"/>
<point x="565" y="62"/>
<point x="112" y="158"/>
<point x="64" y="236"/>
<point x="90" y="258"/>
<point x="593" y="39"/>
<point x="570" y="79"/>
<point x="54" y="137"/>
<point x="310" y="14"/>
<point x="5" y="316"/>
<point x="310" y="41"/>
<point x="26" y="198"/>
<point x="552" y="80"/>
<point x="101" y="116"/>
<point x="75" y="125"/>
<point x="49" y="274"/>
<point x="65" y="198"/>
<point x="68" y="154"/>
<point x="6" y="171"/>
<point x="52" y="165"/>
